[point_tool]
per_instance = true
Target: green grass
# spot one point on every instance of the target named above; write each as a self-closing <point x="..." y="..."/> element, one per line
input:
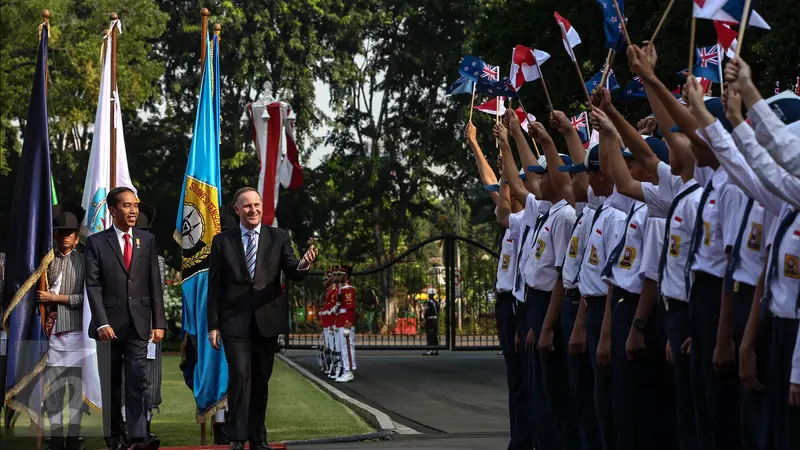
<point x="297" y="409"/>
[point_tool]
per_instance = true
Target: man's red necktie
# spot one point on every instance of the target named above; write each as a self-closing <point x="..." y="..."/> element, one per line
<point x="128" y="253"/>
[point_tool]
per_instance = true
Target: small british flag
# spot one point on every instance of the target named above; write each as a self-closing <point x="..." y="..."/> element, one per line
<point x="490" y="72"/>
<point x="580" y="123"/>
<point x="708" y="64"/>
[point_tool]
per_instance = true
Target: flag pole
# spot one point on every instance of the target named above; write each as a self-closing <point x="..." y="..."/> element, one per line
<point x="691" y="45"/>
<point x="544" y="85"/>
<point x="580" y="76"/>
<point x="609" y="60"/>
<point x="622" y="21"/>
<point x="661" y="22"/>
<point x="113" y="173"/>
<point x="743" y="26"/>
<point x="497" y="119"/>
<point x="472" y="104"/>
<point x="203" y="36"/>
<point x="535" y="147"/>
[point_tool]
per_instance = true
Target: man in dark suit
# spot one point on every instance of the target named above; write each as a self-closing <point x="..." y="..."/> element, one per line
<point x="247" y="312"/>
<point x="123" y="286"/>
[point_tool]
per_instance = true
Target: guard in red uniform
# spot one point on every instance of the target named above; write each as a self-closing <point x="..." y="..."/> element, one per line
<point x="345" y="321"/>
<point x="336" y="369"/>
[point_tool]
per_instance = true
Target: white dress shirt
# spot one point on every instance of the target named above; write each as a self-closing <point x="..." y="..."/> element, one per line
<point x="775" y="136"/>
<point x="657" y="206"/>
<point x="577" y="244"/>
<point x="519" y="222"/>
<point x="758" y="226"/>
<point x="625" y="270"/>
<point x="719" y="230"/>
<point x="549" y="247"/>
<point x="601" y="240"/>
<point x="302" y="265"/>
<point x="121" y="238"/>
<point x="786" y="283"/>
<point x="507" y="265"/>
<point x="681" y="227"/>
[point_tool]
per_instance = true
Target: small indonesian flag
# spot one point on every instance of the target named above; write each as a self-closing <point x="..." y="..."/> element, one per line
<point x="568" y="34"/>
<point x="524" y="121"/>
<point x="525" y="64"/>
<point x="491" y="107"/>
<point x="726" y="37"/>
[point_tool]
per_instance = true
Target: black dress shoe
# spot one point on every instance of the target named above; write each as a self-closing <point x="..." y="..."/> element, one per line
<point x="115" y="445"/>
<point x="220" y="435"/>
<point x="260" y="446"/>
<point x="148" y="444"/>
<point x="74" y="443"/>
<point x="236" y="445"/>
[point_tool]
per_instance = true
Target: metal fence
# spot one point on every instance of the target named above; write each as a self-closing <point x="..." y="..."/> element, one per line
<point x="390" y="299"/>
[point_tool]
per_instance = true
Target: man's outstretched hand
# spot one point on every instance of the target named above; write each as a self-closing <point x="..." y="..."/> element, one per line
<point x="310" y="256"/>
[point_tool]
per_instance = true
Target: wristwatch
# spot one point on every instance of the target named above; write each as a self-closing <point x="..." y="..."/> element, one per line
<point x="639" y="323"/>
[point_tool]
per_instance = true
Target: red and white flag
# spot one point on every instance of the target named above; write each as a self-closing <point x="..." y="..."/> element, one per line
<point x="568" y="34"/>
<point x="714" y="10"/>
<point x="777" y="87"/>
<point x="524" y="120"/>
<point x="525" y="64"/>
<point x="493" y="107"/>
<point x="726" y="37"/>
<point x="273" y="136"/>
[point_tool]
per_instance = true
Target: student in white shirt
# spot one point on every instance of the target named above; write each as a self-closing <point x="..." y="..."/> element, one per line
<point x="520" y="433"/>
<point x="637" y="344"/>
<point x="541" y="421"/>
<point x="545" y="293"/>
<point x="573" y="309"/>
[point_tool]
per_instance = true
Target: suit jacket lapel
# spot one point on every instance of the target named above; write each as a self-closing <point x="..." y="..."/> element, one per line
<point x="238" y="247"/>
<point x="114" y="243"/>
<point x="263" y="244"/>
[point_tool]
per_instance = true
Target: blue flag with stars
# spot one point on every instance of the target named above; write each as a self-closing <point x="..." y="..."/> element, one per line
<point x="615" y="38"/>
<point x="634" y="89"/>
<point x="611" y="81"/>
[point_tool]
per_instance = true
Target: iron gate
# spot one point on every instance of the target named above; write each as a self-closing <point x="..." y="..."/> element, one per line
<point x="390" y="299"/>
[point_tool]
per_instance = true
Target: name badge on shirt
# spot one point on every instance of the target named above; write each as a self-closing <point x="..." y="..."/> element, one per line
<point x="573" y="247"/>
<point x="791" y="266"/>
<point x="540" y="246"/>
<point x="506" y="262"/>
<point x="674" y="245"/>
<point x="628" y="257"/>
<point x="706" y="234"/>
<point x="593" y="259"/>
<point x="754" y="237"/>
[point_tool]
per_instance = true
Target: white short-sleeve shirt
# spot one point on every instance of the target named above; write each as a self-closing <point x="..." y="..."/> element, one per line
<point x="680" y="229"/>
<point x="786" y="283"/>
<point x="653" y="243"/>
<point x="603" y="237"/>
<point x="549" y="247"/>
<point x="625" y="270"/>
<point x="577" y="243"/>
<point x="755" y="230"/>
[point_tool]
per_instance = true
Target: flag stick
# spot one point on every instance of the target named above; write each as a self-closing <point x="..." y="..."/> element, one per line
<point x="609" y="60"/>
<point x="583" y="83"/>
<point x="203" y="36"/>
<point x="661" y="22"/>
<point x="691" y="44"/>
<point x="113" y="173"/>
<point x="544" y="85"/>
<point x="472" y="104"/>
<point x="622" y="21"/>
<point x="743" y="26"/>
<point x="496" y="119"/>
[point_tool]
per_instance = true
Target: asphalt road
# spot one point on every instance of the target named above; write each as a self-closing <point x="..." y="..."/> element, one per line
<point x="456" y="399"/>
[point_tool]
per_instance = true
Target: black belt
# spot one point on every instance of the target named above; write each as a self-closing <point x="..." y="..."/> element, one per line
<point x="673" y="304"/>
<point x="621" y="294"/>
<point x="570" y="293"/>
<point x="700" y="275"/>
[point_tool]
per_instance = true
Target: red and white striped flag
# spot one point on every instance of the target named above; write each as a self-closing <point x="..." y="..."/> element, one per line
<point x="726" y="37"/>
<point x="525" y="64"/>
<point x="568" y="34"/>
<point x="492" y="107"/>
<point x="523" y="119"/>
<point x="273" y="136"/>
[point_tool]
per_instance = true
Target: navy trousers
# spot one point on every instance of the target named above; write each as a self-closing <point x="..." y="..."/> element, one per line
<point x="602" y="375"/>
<point x="551" y="379"/>
<point x="540" y="422"/>
<point x="519" y="423"/>
<point x="782" y="424"/>
<point x="641" y="387"/>
<point x="678" y="327"/>
<point x="716" y="393"/>
<point x="752" y="403"/>
<point x="581" y="378"/>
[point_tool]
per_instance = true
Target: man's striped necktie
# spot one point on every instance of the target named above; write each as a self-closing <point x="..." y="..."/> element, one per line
<point x="250" y="255"/>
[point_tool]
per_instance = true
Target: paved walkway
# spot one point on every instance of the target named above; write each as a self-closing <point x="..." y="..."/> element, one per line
<point x="456" y="399"/>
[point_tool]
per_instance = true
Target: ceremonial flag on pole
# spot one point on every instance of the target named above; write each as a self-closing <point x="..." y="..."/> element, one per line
<point x="29" y="253"/>
<point x="726" y="37"/>
<point x="525" y="64"/>
<point x="708" y="63"/>
<point x="197" y="224"/>
<point x="611" y="81"/>
<point x="568" y="35"/>
<point x="95" y="189"/>
<point x="291" y="174"/>
<point x="581" y="125"/>
<point x="491" y="107"/>
<point x="726" y="11"/>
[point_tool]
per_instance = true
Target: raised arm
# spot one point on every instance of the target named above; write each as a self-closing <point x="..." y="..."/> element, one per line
<point x="580" y="181"/>
<point x="526" y="156"/>
<point x="504" y="204"/>
<point x="510" y="173"/>
<point x="485" y="172"/>
<point x="561" y="180"/>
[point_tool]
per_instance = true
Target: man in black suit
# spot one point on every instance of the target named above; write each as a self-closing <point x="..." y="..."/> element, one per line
<point x="247" y="312"/>
<point x="123" y="286"/>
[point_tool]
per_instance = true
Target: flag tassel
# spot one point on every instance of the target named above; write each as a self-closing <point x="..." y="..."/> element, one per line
<point x="742" y="26"/>
<point x="661" y="22"/>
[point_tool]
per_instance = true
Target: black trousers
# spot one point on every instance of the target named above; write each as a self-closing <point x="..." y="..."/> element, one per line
<point x="432" y="331"/>
<point x="128" y="353"/>
<point x="781" y="430"/>
<point x="521" y="438"/>
<point x="250" y="361"/>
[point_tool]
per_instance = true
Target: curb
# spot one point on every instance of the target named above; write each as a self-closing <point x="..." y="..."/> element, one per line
<point x="379" y="420"/>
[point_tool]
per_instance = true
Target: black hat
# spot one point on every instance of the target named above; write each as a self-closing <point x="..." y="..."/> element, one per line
<point x="146" y="216"/>
<point x="229" y="221"/>
<point x="67" y="216"/>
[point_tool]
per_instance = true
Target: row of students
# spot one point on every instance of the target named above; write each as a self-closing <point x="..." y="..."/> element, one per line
<point x="635" y="276"/>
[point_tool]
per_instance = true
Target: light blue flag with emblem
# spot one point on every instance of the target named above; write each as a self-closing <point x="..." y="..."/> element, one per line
<point x="205" y="369"/>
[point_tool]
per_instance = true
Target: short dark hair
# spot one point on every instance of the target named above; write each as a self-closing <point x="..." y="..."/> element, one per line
<point x="242" y="191"/>
<point x="112" y="199"/>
